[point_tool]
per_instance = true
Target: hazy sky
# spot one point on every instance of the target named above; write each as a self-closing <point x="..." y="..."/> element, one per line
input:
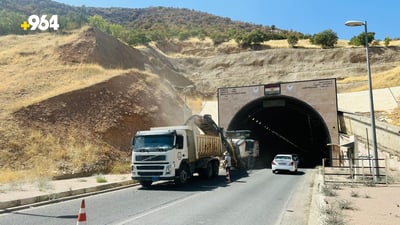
<point x="307" y="16"/>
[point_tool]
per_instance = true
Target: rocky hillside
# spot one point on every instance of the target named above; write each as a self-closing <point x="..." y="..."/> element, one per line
<point x="212" y="67"/>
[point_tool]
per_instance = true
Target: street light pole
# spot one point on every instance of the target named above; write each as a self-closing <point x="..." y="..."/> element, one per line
<point x="371" y="97"/>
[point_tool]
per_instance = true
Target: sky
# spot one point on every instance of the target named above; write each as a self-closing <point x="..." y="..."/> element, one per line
<point x="305" y="16"/>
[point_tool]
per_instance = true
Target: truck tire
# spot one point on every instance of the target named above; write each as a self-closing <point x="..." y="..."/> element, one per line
<point x="146" y="183"/>
<point x="183" y="176"/>
<point x="206" y="173"/>
<point x="215" y="169"/>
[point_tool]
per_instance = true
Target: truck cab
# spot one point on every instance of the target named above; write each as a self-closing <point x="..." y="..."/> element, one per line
<point x="157" y="154"/>
<point x="177" y="152"/>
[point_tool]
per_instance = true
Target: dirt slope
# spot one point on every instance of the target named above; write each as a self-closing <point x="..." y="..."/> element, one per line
<point x="83" y="125"/>
<point x="112" y="110"/>
<point x="94" y="46"/>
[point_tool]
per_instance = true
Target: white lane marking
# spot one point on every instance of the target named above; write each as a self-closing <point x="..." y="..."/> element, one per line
<point x="159" y="208"/>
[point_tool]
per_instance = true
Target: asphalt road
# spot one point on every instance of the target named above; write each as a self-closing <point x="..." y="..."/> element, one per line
<point x="256" y="198"/>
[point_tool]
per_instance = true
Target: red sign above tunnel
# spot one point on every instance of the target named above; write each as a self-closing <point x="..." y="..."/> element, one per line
<point x="272" y="89"/>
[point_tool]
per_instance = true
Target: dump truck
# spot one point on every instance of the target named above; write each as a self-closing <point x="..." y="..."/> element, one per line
<point x="177" y="152"/>
<point x="245" y="149"/>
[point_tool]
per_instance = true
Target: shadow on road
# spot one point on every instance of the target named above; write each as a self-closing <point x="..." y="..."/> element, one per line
<point x="48" y="216"/>
<point x="199" y="184"/>
<point x="298" y="173"/>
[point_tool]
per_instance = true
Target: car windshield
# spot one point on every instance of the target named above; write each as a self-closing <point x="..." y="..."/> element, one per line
<point x="284" y="157"/>
<point x="154" y="142"/>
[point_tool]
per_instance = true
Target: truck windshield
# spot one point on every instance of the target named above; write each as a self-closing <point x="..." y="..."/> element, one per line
<point x="154" y="143"/>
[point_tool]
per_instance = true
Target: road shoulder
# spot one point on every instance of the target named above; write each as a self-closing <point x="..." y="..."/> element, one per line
<point x="25" y="194"/>
<point x="300" y="204"/>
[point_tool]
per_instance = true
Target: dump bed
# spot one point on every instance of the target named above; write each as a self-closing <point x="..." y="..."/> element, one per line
<point x="208" y="146"/>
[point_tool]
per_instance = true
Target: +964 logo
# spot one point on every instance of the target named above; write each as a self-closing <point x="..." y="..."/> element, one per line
<point x="42" y="23"/>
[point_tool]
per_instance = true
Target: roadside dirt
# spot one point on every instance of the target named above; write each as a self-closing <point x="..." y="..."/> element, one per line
<point x="362" y="205"/>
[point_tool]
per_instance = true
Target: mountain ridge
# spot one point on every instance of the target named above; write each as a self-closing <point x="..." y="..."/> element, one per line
<point x="136" y="18"/>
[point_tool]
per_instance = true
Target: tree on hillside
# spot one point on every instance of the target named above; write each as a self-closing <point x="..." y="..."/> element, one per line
<point x="117" y="30"/>
<point x="292" y="40"/>
<point x="157" y="35"/>
<point x="73" y="21"/>
<point x="360" y="39"/>
<point x="255" y="37"/>
<point x="387" y="41"/>
<point x="326" y="38"/>
<point x="10" y="22"/>
<point x="137" y="38"/>
<point x="183" y="35"/>
<point x="99" y="23"/>
<point x="219" y="37"/>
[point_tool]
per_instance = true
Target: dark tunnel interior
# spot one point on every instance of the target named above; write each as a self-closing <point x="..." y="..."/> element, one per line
<point x="282" y="125"/>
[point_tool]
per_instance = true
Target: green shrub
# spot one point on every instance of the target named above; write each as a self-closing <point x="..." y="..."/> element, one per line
<point x="101" y="179"/>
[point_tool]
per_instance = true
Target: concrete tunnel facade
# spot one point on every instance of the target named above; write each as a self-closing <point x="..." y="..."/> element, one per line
<point x="298" y="117"/>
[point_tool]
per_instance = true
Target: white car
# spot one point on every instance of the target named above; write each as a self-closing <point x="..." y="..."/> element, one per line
<point x="285" y="162"/>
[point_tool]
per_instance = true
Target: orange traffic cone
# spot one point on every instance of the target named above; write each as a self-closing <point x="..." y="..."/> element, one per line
<point x="228" y="176"/>
<point x="82" y="214"/>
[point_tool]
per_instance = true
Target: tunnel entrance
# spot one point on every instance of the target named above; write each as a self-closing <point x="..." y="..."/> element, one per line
<point x="284" y="124"/>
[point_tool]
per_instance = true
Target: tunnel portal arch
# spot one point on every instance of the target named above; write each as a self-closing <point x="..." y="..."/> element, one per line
<point x="283" y="124"/>
<point x="294" y="117"/>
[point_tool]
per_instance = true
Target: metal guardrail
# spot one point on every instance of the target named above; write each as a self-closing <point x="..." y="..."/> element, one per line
<point x="356" y="170"/>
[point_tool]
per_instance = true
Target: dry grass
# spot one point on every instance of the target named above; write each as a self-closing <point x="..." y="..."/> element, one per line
<point x="32" y="72"/>
<point x="9" y="175"/>
<point x="121" y="168"/>
<point x="44" y="154"/>
<point x="389" y="78"/>
<point x="28" y="79"/>
<point x="395" y="116"/>
<point x="305" y="43"/>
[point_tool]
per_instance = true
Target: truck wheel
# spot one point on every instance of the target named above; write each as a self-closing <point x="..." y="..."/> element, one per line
<point x="146" y="183"/>
<point x="183" y="176"/>
<point x="215" y="169"/>
<point x="207" y="172"/>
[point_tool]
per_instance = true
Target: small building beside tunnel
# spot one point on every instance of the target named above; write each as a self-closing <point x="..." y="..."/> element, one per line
<point x="293" y="117"/>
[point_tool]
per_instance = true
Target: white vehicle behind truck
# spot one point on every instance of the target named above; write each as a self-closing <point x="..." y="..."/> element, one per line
<point x="177" y="152"/>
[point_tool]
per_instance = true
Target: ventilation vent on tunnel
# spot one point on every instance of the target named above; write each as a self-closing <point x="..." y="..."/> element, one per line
<point x="274" y="103"/>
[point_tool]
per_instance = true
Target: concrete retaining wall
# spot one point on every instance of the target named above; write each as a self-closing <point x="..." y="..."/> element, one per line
<point x="387" y="136"/>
